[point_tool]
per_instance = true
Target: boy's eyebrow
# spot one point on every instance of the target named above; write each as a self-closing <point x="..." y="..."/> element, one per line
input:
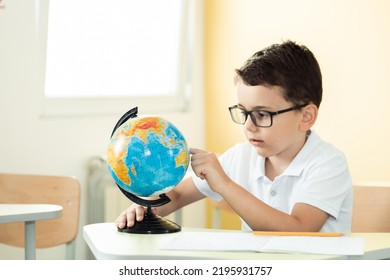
<point x="254" y="108"/>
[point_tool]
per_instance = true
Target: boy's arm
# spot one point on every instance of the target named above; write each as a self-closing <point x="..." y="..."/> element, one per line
<point x="257" y="214"/>
<point x="260" y="216"/>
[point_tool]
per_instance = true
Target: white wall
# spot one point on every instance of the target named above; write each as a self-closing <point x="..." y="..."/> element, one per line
<point x="31" y="143"/>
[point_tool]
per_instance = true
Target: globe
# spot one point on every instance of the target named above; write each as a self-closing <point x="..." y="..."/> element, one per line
<point x="147" y="156"/>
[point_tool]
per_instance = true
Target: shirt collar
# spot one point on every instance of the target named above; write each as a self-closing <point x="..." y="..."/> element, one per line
<point x="299" y="162"/>
<point x="259" y="166"/>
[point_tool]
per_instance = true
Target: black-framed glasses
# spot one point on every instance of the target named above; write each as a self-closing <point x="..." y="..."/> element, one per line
<point x="261" y="118"/>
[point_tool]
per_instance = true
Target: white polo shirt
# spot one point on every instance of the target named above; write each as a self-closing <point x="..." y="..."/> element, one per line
<point x="318" y="176"/>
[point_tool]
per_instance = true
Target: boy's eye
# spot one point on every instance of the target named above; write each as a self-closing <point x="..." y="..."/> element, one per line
<point x="260" y="114"/>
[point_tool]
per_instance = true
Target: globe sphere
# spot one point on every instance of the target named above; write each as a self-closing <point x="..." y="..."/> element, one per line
<point x="147" y="156"/>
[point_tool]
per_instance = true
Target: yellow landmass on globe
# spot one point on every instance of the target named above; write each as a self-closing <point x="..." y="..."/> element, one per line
<point x="182" y="159"/>
<point x="144" y="126"/>
<point x="115" y="158"/>
<point x="133" y="170"/>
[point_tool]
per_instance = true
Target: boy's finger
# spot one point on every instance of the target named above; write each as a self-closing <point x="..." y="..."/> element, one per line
<point x="194" y="151"/>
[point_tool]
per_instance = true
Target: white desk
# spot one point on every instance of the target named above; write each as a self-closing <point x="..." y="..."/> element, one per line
<point x="106" y="242"/>
<point x="28" y="213"/>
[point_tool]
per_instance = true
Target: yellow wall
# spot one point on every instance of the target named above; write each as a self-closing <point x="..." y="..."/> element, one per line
<point x="221" y="58"/>
<point x="351" y="40"/>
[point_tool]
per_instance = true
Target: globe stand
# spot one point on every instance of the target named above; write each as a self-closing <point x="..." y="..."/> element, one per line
<point x="152" y="223"/>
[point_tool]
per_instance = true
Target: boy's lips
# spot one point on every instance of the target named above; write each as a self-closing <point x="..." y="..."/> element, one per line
<point x="256" y="142"/>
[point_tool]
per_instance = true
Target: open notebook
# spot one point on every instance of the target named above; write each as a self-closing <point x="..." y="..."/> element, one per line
<point x="240" y="241"/>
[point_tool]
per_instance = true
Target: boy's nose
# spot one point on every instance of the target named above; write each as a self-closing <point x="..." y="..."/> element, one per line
<point x="249" y="125"/>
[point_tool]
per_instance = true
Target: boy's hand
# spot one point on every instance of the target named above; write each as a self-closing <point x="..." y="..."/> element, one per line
<point x="128" y="217"/>
<point x="206" y="166"/>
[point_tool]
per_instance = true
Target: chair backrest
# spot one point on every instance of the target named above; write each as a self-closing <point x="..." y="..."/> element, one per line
<point x="41" y="189"/>
<point x="371" y="209"/>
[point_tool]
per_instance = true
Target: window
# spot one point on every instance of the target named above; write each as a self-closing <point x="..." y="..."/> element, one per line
<point x="109" y="56"/>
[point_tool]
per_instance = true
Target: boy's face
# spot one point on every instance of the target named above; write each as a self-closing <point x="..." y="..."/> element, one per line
<point x="285" y="137"/>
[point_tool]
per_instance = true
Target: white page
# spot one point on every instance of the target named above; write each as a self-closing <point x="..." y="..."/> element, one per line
<point x="216" y="241"/>
<point x="241" y="241"/>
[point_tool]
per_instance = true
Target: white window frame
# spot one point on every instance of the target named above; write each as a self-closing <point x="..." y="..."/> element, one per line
<point x="117" y="105"/>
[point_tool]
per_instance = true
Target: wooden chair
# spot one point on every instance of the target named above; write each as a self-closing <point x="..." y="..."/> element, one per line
<point x="371" y="209"/>
<point x="30" y="189"/>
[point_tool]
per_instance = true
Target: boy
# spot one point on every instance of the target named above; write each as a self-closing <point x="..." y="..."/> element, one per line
<point x="284" y="178"/>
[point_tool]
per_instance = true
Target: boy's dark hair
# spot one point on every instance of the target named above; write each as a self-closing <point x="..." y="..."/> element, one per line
<point x="288" y="65"/>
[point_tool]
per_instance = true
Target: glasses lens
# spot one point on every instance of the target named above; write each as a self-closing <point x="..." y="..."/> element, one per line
<point x="261" y="118"/>
<point x="238" y="115"/>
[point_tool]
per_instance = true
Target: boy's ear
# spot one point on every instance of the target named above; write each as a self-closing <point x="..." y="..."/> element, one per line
<point x="309" y="117"/>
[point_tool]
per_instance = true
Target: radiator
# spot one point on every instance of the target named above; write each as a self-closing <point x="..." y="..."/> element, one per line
<point x="105" y="200"/>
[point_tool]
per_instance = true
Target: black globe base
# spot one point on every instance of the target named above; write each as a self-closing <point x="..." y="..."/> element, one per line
<point x="152" y="224"/>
